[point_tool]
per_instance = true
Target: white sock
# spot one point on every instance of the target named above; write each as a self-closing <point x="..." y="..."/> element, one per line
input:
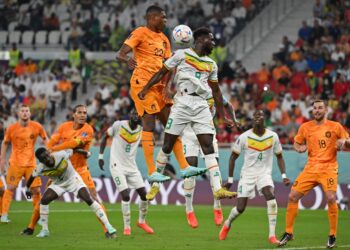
<point x="126" y="213"/>
<point x="217" y="204"/>
<point x="96" y="207"/>
<point x="189" y="185"/>
<point x="233" y="215"/>
<point x="215" y="176"/>
<point x="272" y="216"/>
<point x="162" y="160"/>
<point x="143" y="209"/>
<point x="44" y="216"/>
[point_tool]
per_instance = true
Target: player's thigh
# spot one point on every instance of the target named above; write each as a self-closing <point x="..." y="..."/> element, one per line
<point x="202" y="123"/>
<point x="135" y="180"/>
<point x="74" y="184"/>
<point x="246" y="187"/>
<point x="59" y="189"/>
<point x="37" y="180"/>
<point x="264" y="181"/>
<point x="119" y="178"/>
<point x="305" y="182"/>
<point x="178" y="119"/>
<point x="14" y="175"/>
<point x="328" y="181"/>
<point x="87" y="179"/>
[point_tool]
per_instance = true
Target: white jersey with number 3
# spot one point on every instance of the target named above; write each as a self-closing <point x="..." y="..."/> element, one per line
<point x="124" y="145"/>
<point x="258" y="151"/>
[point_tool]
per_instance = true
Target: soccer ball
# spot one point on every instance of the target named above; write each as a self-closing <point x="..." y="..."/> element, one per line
<point x="182" y="34"/>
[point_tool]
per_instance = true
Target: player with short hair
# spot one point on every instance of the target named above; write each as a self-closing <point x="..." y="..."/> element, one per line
<point x="126" y="139"/>
<point x="259" y="144"/>
<point x="321" y="138"/>
<point x="196" y="80"/>
<point x="22" y="136"/>
<point x="150" y="48"/>
<point x="76" y="134"/>
<point x="59" y="169"/>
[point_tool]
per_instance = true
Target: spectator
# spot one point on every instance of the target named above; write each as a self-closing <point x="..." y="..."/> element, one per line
<point x="315" y="63"/>
<point x="305" y="31"/>
<point x="65" y="86"/>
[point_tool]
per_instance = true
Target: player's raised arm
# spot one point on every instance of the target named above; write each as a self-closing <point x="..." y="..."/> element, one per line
<point x="217" y="95"/>
<point x="122" y="55"/>
<point x="155" y="79"/>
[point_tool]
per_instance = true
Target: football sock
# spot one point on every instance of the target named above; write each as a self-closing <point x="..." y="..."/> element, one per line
<point x="217" y="204"/>
<point x="6" y="201"/>
<point x="179" y="154"/>
<point x="162" y="160"/>
<point x="143" y="209"/>
<point x="212" y="165"/>
<point x="126" y="213"/>
<point x="1" y="204"/>
<point x="36" y="210"/>
<point x="44" y="215"/>
<point x="97" y="208"/>
<point x="233" y="215"/>
<point x="272" y="216"/>
<point x="333" y="218"/>
<point x="148" y="150"/>
<point x="292" y="212"/>
<point x="189" y="185"/>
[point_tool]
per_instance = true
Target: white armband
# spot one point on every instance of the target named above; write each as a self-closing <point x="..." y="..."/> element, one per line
<point x="230" y="179"/>
<point x="100" y="156"/>
<point x="284" y="176"/>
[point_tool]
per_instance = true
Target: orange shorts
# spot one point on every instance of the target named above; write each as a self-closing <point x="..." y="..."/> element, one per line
<point x="154" y="100"/>
<point x="1" y="184"/>
<point x="15" y="174"/>
<point x="307" y="181"/>
<point x="86" y="176"/>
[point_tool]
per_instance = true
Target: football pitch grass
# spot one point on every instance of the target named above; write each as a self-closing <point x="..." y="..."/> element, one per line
<point x="74" y="226"/>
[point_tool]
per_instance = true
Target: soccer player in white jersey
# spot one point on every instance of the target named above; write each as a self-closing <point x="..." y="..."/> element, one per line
<point x="126" y="139"/>
<point x="196" y="80"/>
<point x="59" y="169"/>
<point x="258" y="144"/>
<point x="192" y="151"/>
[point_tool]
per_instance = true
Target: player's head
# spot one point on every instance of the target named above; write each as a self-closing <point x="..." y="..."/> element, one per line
<point x="204" y="38"/>
<point x="134" y="117"/>
<point x="80" y="114"/>
<point x="43" y="155"/>
<point x="156" y="17"/>
<point x="259" y="118"/>
<point x="24" y="113"/>
<point x="319" y="109"/>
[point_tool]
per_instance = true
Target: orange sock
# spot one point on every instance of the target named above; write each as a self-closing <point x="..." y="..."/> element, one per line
<point x="1" y="202"/>
<point x="292" y="212"/>
<point x="179" y="154"/>
<point x="333" y="218"/>
<point x="36" y="210"/>
<point x="148" y="151"/>
<point x="6" y="201"/>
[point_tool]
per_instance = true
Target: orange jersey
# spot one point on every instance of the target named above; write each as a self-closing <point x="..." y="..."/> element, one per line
<point x="82" y="138"/>
<point x="321" y="143"/>
<point x="23" y="141"/>
<point x="150" y="50"/>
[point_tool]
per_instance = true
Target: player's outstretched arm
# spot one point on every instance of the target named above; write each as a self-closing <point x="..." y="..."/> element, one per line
<point x="282" y="166"/>
<point x="234" y="156"/>
<point x="122" y="55"/>
<point x="229" y="109"/>
<point x="217" y="95"/>
<point x="300" y="148"/>
<point x="155" y="79"/>
<point x="101" y="161"/>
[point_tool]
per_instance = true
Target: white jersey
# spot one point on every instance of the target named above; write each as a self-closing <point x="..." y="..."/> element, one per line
<point x="63" y="169"/>
<point x="124" y="144"/>
<point x="192" y="72"/>
<point x="259" y="151"/>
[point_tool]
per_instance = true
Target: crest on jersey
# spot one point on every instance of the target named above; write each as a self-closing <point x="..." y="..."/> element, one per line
<point x="328" y="134"/>
<point x="31" y="136"/>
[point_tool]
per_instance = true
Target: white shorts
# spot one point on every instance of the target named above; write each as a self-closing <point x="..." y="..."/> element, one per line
<point x="125" y="179"/>
<point x="247" y="184"/>
<point x="193" y="110"/>
<point x="73" y="185"/>
<point x="191" y="145"/>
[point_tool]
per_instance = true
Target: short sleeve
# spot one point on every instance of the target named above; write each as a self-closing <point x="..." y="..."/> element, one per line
<point x="112" y="130"/>
<point x="42" y="132"/>
<point x="69" y="153"/>
<point x="8" y="134"/>
<point x="277" y="147"/>
<point x="341" y="132"/>
<point x="168" y="49"/>
<point x="300" y="137"/>
<point x="37" y="171"/>
<point x="213" y="76"/>
<point x="134" y="39"/>
<point x="238" y="146"/>
<point x="174" y="60"/>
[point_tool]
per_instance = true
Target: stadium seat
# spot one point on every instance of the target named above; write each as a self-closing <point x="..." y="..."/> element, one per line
<point x="12" y="26"/>
<point x="27" y="37"/>
<point x="64" y="26"/>
<point x="40" y="37"/>
<point x="54" y="37"/>
<point x="3" y="37"/>
<point x="14" y="37"/>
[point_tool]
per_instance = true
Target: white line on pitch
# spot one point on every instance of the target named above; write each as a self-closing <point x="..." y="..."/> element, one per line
<point x="313" y="247"/>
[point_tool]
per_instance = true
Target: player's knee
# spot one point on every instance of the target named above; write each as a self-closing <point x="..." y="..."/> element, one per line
<point x="331" y="198"/>
<point x="35" y="191"/>
<point x="293" y="197"/>
<point x="126" y="197"/>
<point x="240" y="209"/>
<point x="45" y="201"/>
<point x="208" y="149"/>
<point x="166" y="147"/>
<point x="88" y="201"/>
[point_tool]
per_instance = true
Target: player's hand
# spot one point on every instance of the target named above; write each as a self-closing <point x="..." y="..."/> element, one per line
<point x="300" y="148"/>
<point x="228" y="122"/>
<point x="131" y="63"/>
<point x="142" y="94"/>
<point x="101" y="163"/>
<point x="286" y="181"/>
<point x="238" y="126"/>
<point x="340" y="143"/>
<point x="28" y="193"/>
<point x="227" y="185"/>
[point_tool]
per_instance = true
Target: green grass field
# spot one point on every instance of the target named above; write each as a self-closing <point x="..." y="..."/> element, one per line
<point x="74" y="226"/>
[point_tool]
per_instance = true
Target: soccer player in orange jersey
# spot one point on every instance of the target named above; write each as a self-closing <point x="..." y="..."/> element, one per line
<point x="150" y="48"/>
<point x="2" y="189"/>
<point x="321" y="138"/>
<point x="76" y="134"/>
<point x="22" y="135"/>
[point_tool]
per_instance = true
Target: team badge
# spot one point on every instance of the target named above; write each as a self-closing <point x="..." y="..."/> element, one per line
<point x="31" y="137"/>
<point x="83" y="134"/>
<point x="328" y="134"/>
